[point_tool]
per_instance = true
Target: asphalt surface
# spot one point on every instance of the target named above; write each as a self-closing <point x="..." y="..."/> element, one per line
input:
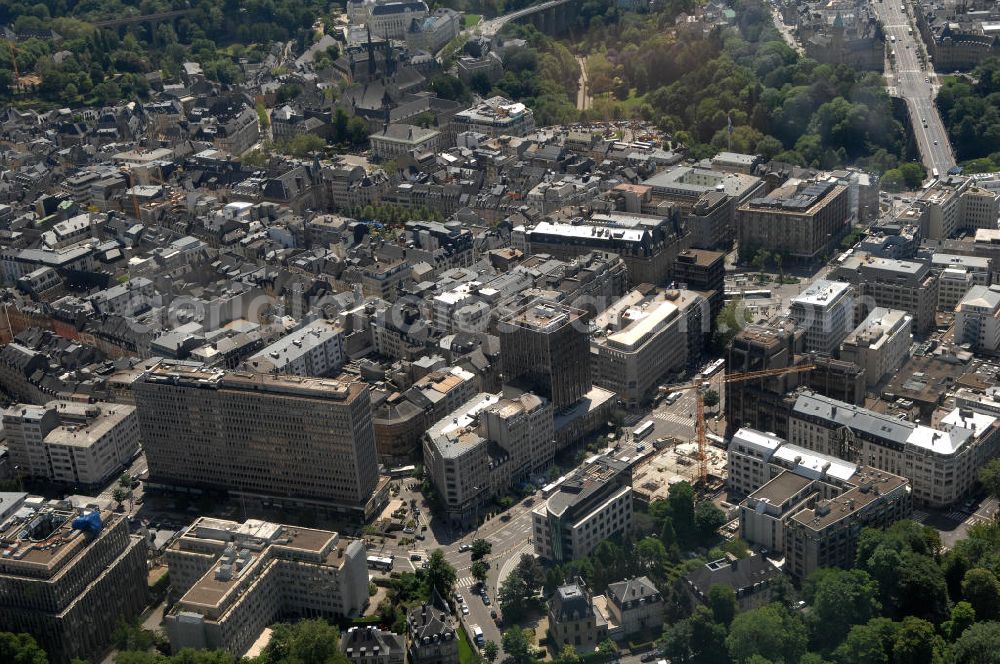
<point x="489" y="28"/>
<point x="915" y="84"/>
<point x="509" y="537"/>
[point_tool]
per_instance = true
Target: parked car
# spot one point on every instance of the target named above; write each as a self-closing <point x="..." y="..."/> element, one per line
<point x="486" y="599"/>
<point x="465" y="610"/>
<point x="464" y="547"/>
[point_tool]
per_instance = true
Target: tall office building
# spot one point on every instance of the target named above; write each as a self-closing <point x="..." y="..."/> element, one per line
<point x="306" y="440"/>
<point x="68" y="577"/>
<point x="546" y="346"/>
<point x="761" y="403"/>
<point x="643" y="337"/>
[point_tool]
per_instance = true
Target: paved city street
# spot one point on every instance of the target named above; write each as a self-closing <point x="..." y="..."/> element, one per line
<point x="915" y="84"/>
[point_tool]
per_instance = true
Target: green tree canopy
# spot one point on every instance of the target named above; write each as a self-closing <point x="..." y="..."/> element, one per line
<point x="304" y="642"/>
<point x="722" y="602"/>
<point x="21" y="649"/>
<point x="980" y="644"/>
<point x="440" y="573"/>
<point x="839" y="599"/>
<point x="770" y="631"/>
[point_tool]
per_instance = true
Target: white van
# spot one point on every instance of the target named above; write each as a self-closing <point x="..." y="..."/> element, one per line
<point x="477" y="635"/>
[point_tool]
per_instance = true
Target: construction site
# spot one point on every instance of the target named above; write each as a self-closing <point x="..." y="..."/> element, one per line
<point x="674" y="460"/>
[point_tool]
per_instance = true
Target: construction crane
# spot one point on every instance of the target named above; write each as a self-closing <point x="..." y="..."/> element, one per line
<point x="698" y="385"/>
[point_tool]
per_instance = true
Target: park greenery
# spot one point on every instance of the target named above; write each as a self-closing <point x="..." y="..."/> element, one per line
<point x="777" y="103"/>
<point x="100" y="66"/>
<point x="970" y="110"/>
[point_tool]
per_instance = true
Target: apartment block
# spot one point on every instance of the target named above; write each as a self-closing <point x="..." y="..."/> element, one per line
<point x="459" y="460"/>
<point x="316" y="349"/>
<point x="909" y="286"/>
<point x="522" y="425"/>
<point x="787" y="487"/>
<point x="305" y="440"/>
<point x="235" y="579"/>
<point x="825" y="533"/>
<point x="127" y="299"/>
<point x="70" y="442"/>
<point x="980" y="267"/>
<point x="958" y="273"/>
<point x="941" y="463"/>
<point x="402" y="418"/>
<point x="880" y="344"/>
<point x="977" y="319"/>
<point x="825" y="311"/>
<point x="953" y="284"/>
<point x="62" y="575"/>
<point x="583" y="508"/>
<point x="940" y="207"/>
<point x="643" y="337"/>
<point x="478" y="451"/>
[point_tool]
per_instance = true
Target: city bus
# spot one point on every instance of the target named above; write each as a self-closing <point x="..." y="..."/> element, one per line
<point x="382" y="563"/>
<point x="713" y="368"/>
<point x="643" y="430"/>
<point x="402" y="471"/>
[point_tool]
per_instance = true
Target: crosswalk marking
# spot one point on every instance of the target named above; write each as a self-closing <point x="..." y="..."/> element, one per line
<point x="465" y="582"/>
<point x="675" y="419"/>
<point x="919" y="516"/>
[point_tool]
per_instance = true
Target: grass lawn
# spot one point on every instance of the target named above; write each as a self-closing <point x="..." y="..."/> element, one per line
<point x="466" y="653"/>
<point x="471" y="20"/>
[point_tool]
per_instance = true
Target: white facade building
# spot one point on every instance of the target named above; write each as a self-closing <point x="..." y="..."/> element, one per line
<point x="314" y="350"/>
<point x="70" y="442"/>
<point x="977" y="318"/>
<point x="235" y="579"/>
<point x="941" y="463"/>
<point x="825" y="311"/>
